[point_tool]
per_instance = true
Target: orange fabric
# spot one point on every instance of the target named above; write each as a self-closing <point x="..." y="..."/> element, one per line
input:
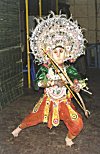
<point x="34" y="118"/>
<point x="74" y="126"/>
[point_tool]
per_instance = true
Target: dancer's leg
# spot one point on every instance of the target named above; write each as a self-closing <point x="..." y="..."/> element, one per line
<point x="16" y="131"/>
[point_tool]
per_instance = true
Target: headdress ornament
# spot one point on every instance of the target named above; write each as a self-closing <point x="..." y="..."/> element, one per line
<point x="57" y="30"/>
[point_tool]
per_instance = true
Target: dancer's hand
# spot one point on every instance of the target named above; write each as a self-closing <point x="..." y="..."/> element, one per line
<point x="76" y="87"/>
<point x="59" y="83"/>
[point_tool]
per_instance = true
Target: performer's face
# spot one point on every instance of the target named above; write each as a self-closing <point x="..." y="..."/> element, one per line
<point x="58" y="54"/>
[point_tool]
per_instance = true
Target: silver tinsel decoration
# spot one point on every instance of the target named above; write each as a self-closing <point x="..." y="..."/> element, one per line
<point x="57" y="31"/>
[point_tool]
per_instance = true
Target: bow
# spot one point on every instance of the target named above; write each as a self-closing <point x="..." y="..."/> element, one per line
<point x="56" y="66"/>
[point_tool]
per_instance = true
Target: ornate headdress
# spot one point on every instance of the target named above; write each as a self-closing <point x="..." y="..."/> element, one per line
<point x="57" y="30"/>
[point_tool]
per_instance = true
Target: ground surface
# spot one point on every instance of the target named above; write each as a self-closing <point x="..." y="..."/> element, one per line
<point x="41" y="140"/>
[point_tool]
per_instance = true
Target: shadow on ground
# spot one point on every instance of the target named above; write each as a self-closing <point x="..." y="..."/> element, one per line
<point x="41" y="140"/>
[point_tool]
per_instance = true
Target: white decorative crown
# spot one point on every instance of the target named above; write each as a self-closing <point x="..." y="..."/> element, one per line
<point x="57" y="30"/>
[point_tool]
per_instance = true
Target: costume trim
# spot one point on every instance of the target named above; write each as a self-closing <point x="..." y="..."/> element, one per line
<point x="73" y="114"/>
<point x="37" y="106"/>
<point x="46" y="110"/>
<point x="55" y="116"/>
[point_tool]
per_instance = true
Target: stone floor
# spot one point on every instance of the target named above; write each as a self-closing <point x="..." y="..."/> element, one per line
<point x="41" y="140"/>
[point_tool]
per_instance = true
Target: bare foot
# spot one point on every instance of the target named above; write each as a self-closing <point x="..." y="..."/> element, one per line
<point x="69" y="142"/>
<point x="16" y="132"/>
